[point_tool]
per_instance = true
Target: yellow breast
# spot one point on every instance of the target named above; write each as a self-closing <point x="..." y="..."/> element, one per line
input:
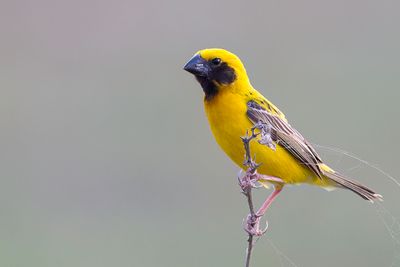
<point x="227" y="117"/>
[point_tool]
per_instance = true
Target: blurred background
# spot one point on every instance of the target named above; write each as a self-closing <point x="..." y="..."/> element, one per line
<point x="106" y="157"/>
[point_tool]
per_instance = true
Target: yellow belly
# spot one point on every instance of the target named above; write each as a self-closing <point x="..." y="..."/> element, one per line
<point x="227" y="117"/>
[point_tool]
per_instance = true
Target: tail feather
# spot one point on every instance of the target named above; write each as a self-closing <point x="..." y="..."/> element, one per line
<point x="359" y="189"/>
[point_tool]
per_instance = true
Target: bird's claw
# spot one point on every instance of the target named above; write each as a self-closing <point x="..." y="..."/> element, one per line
<point x="252" y="225"/>
<point x="248" y="180"/>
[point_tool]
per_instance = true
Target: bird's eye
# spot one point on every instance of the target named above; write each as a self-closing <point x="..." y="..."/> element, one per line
<point x="216" y="61"/>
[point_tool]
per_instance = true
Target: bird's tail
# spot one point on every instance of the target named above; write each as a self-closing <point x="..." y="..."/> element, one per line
<point x="356" y="187"/>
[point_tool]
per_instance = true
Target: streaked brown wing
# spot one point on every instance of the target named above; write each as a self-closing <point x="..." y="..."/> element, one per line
<point x="286" y="136"/>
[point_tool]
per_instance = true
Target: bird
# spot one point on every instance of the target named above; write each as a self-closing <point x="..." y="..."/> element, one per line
<point x="233" y="107"/>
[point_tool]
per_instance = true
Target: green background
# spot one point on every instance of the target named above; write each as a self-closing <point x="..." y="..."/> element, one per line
<point x="106" y="158"/>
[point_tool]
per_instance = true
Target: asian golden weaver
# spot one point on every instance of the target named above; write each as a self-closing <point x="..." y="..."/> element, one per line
<point x="233" y="106"/>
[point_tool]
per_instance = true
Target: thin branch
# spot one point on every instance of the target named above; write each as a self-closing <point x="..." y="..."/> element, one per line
<point x="247" y="187"/>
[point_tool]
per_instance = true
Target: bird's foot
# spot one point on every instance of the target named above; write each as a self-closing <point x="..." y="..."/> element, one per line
<point x="249" y="179"/>
<point x="252" y="225"/>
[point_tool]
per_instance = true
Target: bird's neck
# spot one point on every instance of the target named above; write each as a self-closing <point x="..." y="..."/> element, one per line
<point x="212" y="89"/>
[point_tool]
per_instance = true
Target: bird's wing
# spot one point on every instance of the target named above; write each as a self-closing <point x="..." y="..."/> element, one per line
<point x="285" y="135"/>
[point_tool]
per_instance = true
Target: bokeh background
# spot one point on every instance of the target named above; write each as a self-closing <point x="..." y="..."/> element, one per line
<point x="106" y="157"/>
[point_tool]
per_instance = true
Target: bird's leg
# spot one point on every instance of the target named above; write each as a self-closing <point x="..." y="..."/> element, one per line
<point x="271" y="179"/>
<point x="253" y="220"/>
<point x="251" y="176"/>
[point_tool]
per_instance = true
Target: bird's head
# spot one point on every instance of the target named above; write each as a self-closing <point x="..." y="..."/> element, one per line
<point x="216" y="69"/>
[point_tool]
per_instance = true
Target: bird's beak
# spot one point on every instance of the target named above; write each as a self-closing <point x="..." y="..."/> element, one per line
<point x="197" y="66"/>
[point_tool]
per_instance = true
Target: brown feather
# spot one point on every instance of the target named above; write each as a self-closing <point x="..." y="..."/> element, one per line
<point x="359" y="189"/>
<point x="286" y="136"/>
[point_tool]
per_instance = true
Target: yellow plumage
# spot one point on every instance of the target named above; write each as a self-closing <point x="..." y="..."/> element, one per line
<point x="226" y="114"/>
<point x="228" y="93"/>
<point x="228" y="121"/>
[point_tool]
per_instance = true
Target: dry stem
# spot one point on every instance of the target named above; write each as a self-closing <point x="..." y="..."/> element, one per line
<point x="247" y="191"/>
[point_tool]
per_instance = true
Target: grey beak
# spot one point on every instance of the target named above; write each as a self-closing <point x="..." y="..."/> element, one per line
<point x="197" y="66"/>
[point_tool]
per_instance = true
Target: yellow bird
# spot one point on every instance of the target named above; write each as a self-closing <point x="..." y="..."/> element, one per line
<point x="233" y="107"/>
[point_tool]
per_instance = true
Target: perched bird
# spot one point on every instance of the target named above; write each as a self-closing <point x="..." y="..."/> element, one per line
<point x="233" y="107"/>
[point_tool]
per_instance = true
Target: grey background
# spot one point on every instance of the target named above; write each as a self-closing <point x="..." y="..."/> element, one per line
<point x="106" y="157"/>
